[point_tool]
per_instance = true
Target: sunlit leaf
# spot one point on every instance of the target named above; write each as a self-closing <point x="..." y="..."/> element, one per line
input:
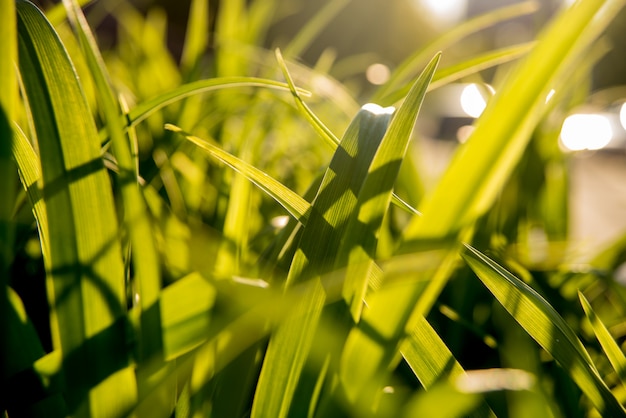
<point x="546" y="327"/>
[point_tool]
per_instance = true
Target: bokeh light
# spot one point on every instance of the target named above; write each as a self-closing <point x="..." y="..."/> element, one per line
<point x="472" y="101"/>
<point x="586" y="132"/>
<point x="377" y="74"/>
<point x="447" y="12"/>
<point x="622" y="115"/>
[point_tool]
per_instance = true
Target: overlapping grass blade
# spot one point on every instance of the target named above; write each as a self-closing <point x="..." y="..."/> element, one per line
<point x="286" y="354"/>
<point x="30" y="175"/>
<point x="481" y="166"/>
<point x="136" y="220"/>
<point x="332" y="207"/>
<point x="546" y="327"/>
<point x="613" y="352"/>
<point x="414" y="63"/>
<point x="359" y="244"/>
<point x="84" y="268"/>
<point x="320" y="127"/>
<point x="143" y="110"/>
<point x="298" y="207"/>
<point x="463" y="69"/>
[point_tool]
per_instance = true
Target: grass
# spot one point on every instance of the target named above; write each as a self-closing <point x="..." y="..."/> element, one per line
<point x="225" y="237"/>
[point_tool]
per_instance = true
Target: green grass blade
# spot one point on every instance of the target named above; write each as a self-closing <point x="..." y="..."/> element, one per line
<point x="143" y="248"/>
<point x="313" y="28"/>
<point x="286" y="354"/>
<point x="546" y="327"/>
<point x="30" y="176"/>
<point x="336" y="199"/>
<point x="142" y="111"/>
<point x="294" y="204"/>
<point x="359" y="244"/>
<point x="414" y="63"/>
<point x="463" y="69"/>
<point x="186" y="308"/>
<point x="196" y="37"/>
<point x="84" y="268"/>
<point x="428" y="356"/>
<point x="321" y="128"/>
<point x="8" y="100"/>
<point x="613" y="352"/>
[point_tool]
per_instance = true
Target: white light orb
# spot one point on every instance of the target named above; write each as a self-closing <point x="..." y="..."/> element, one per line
<point x="586" y="132"/>
<point x="472" y="102"/>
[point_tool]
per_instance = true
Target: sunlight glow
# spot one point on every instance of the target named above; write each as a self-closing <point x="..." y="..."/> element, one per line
<point x="622" y="116"/>
<point x="488" y="380"/>
<point x="445" y="11"/>
<point x="586" y="132"/>
<point x="377" y="74"/>
<point x="378" y="110"/>
<point x="472" y="100"/>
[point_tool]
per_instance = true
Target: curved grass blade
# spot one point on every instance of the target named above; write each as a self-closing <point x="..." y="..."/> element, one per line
<point x="84" y="269"/>
<point x="609" y="346"/>
<point x="322" y="129"/>
<point x="546" y="327"/>
<point x="457" y="71"/>
<point x="143" y="110"/>
<point x="30" y="176"/>
<point x="415" y="62"/>
<point x="290" y="200"/>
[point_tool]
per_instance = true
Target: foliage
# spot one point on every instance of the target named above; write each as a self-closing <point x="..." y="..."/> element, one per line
<point x="196" y="239"/>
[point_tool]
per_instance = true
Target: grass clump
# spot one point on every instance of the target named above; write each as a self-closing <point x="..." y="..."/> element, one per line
<point x="206" y="239"/>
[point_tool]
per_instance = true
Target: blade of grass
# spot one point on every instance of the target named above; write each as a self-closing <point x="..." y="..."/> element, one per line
<point x="142" y="111"/>
<point x="415" y="62"/>
<point x="359" y="244"/>
<point x="84" y="269"/>
<point x="145" y="259"/>
<point x="8" y="100"/>
<point x="546" y="327"/>
<point x="321" y="128"/>
<point x="463" y="69"/>
<point x="30" y="176"/>
<point x="314" y="27"/>
<point x="609" y="346"/>
<point x="286" y="354"/>
<point x="290" y="200"/>
<point x="196" y="37"/>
